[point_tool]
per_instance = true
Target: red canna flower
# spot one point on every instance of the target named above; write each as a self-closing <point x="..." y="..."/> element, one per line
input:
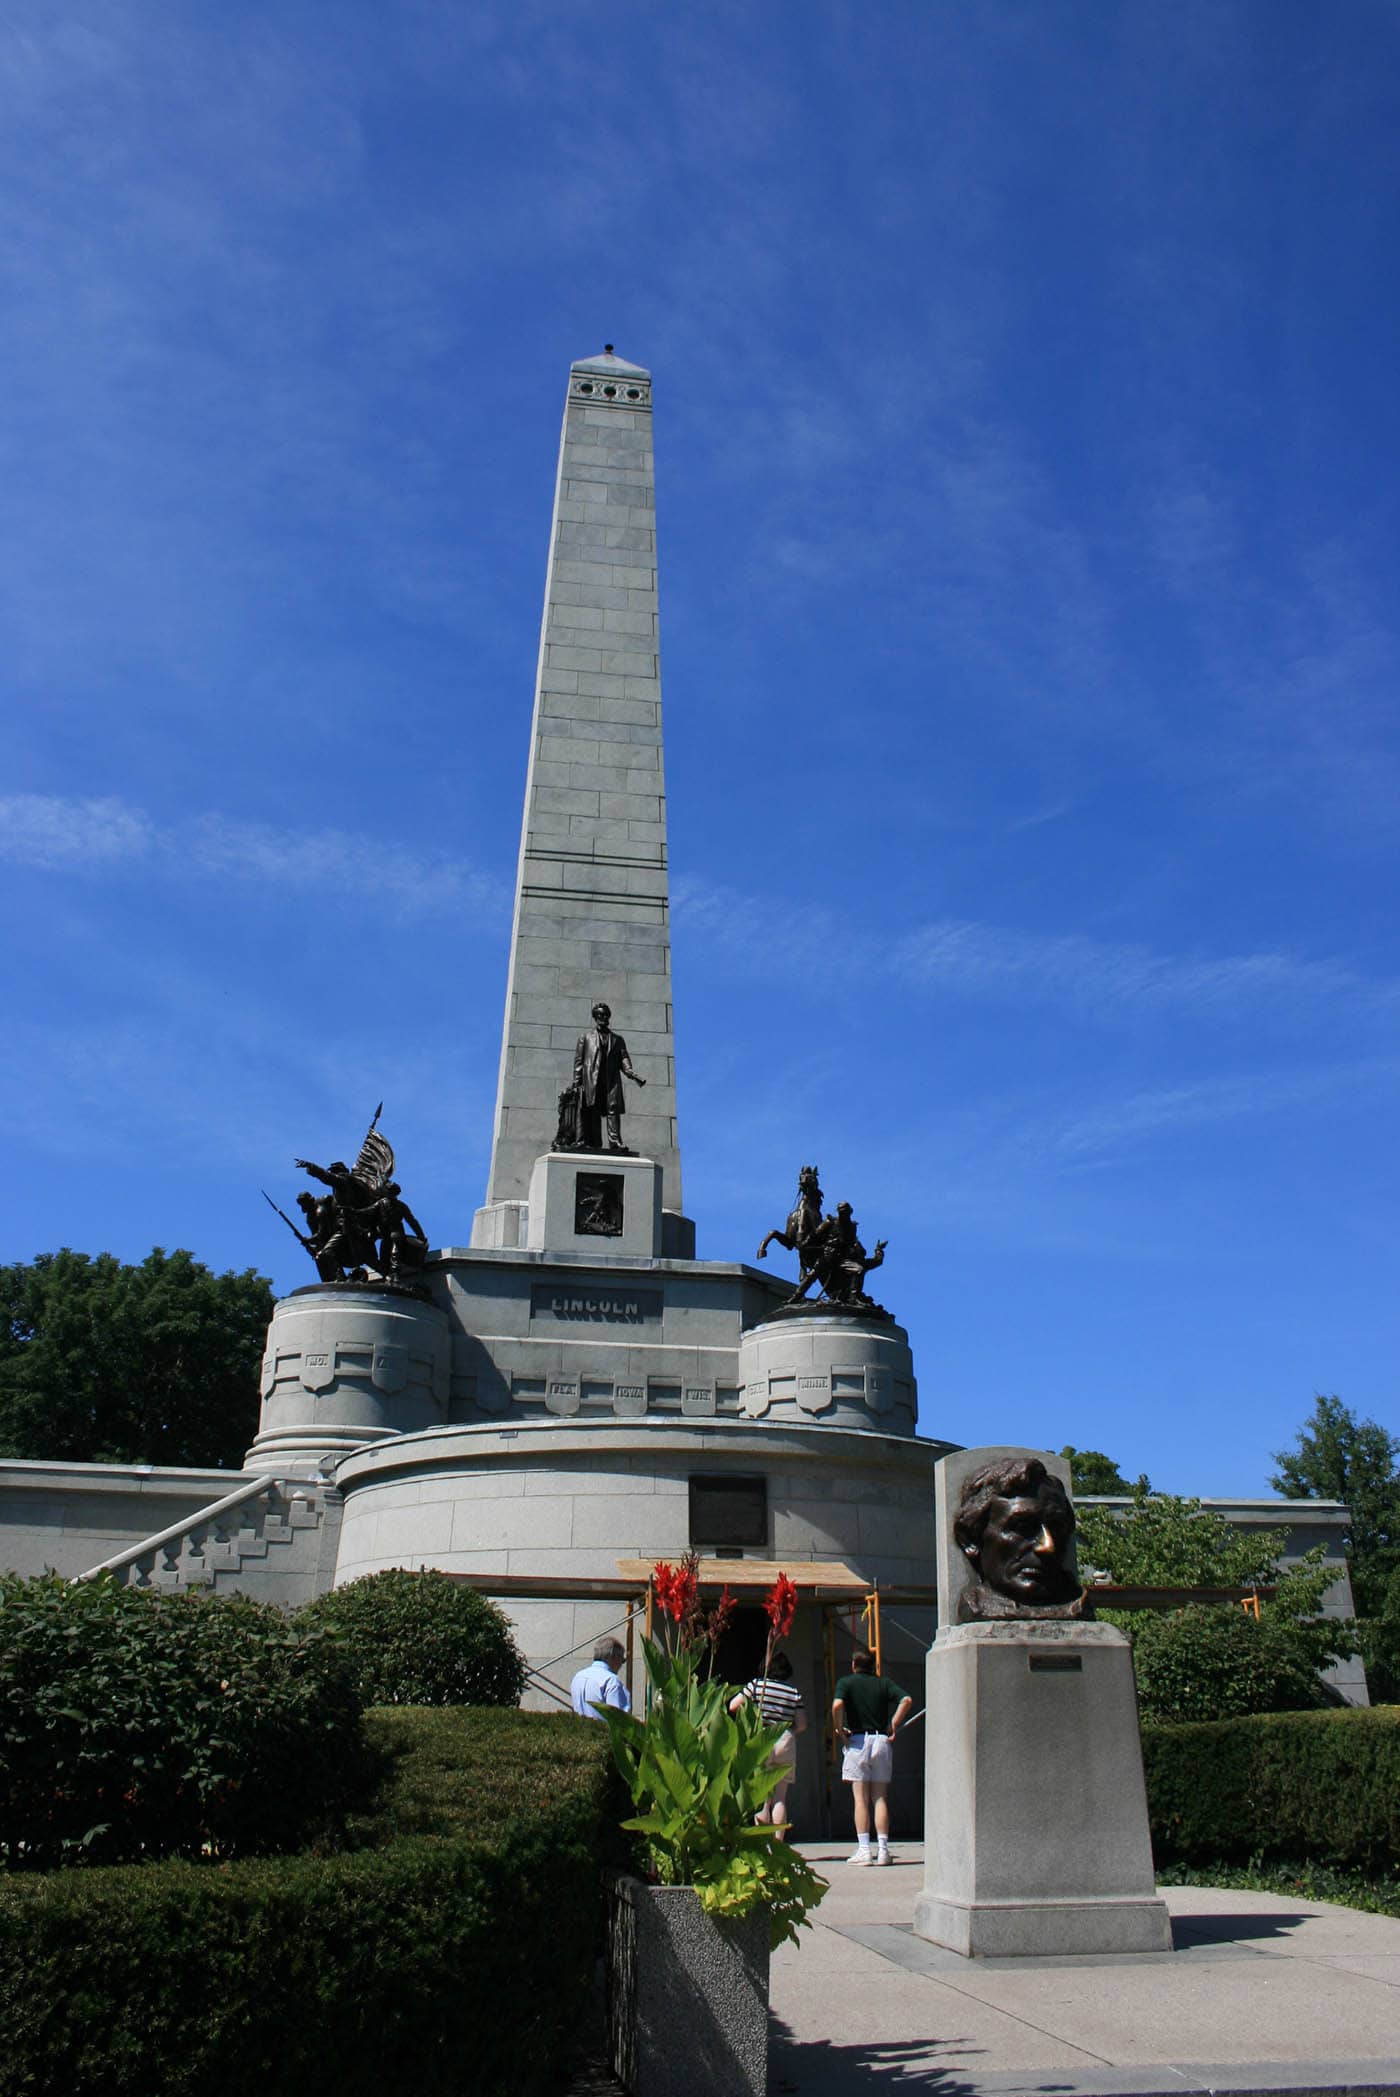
<point x="668" y="1582"/>
<point x="720" y="1615"/>
<point x="688" y="1591"/>
<point x="780" y="1605"/>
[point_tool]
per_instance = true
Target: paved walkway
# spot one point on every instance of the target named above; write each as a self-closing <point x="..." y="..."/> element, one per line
<point x="1262" y="1993"/>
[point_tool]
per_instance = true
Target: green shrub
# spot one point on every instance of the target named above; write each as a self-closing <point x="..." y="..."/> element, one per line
<point x="1324" y="1785"/>
<point x="420" y="1638"/>
<point x="470" y="1773"/>
<point x="455" y="1957"/>
<point x="138" y="1725"/>
<point x="1206" y="1663"/>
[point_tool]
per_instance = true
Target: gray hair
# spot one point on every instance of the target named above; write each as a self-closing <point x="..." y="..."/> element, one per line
<point x="608" y="1649"/>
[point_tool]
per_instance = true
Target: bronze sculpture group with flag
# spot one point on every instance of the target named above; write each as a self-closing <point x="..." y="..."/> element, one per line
<point x="362" y="1226"/>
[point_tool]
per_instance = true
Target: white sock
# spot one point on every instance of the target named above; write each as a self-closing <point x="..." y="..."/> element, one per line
<point x="863" y="1841"/>
<point x="884" y="1842"/>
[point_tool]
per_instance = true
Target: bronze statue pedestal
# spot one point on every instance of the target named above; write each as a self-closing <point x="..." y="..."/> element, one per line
<point x="828" y="1362"/>
<point x="595" y="1204"/>
<point x="1036" y="1840"/>
<point x="348" y="1364"/>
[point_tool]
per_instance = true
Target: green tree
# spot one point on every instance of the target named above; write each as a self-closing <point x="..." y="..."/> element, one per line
<point x="1214" y="1661"/>
<point x="1338" y="1457"/>
<point x="101" y="1362"/>
<point x="1090" y="1471"/>
<point x="1161" y="1540"/>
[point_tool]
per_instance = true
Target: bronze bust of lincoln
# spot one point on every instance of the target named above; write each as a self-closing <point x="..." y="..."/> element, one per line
<point x="1015" y="1526"/>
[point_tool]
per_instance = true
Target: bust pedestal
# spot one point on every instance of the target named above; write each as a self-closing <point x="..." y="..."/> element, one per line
<point x="1035" y="1829"/>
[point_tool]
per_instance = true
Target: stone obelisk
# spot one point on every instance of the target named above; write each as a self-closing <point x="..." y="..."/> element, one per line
<point x="592" y="919"/>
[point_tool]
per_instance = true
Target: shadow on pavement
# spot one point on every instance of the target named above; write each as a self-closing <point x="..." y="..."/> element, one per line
<point x="1231" y="1929"/>
<point x="821" y="2068"/>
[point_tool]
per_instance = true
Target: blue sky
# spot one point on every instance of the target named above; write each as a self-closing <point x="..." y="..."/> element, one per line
<point x="1026" y="424"/>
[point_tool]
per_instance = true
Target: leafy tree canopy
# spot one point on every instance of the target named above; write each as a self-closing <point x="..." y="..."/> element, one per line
<point x="1090" y="1471"/>
<point x="101" y="1362"/>
<point x="1338" y="1457"/>
<point x="1214" y="1662"/>
<point x="1161" y="1540"/>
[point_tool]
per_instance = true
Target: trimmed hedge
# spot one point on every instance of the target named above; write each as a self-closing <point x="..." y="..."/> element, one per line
<point x="1323" y="1785"/>
<point x="140" y="1725"/>
<point x="453" y="1952"/>
<point x="420" y="1638"/>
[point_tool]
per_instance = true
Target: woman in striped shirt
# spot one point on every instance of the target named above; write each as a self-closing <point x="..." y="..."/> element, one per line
<point x="779" y="1704"/>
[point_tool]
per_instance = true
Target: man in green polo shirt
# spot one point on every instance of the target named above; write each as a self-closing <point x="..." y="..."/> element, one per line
<point x="867" y="1712"/>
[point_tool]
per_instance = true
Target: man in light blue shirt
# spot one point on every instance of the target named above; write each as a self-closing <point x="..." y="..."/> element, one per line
<point x="597" y="1683"/>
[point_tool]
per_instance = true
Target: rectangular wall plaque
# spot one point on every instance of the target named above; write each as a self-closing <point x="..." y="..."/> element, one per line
<point x="598" y="1205"/>
<point x="1056" y="1664"/>
<point x="728" y="1510"/>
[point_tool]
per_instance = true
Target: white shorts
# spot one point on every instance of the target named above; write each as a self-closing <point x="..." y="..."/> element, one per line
<point x="869" y="1759"/>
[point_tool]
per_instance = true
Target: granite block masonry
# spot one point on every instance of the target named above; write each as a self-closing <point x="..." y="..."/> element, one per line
<point x="592" y="917"/>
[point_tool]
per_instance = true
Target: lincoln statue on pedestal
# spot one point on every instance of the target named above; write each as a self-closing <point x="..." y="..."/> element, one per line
<point x="601" y="1062"/>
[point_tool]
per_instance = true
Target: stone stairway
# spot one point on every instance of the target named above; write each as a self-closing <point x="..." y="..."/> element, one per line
<point x="272" y="1538"/>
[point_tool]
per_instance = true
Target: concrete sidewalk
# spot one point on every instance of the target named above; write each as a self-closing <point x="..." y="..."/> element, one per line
<point x="1262" y="1993"/>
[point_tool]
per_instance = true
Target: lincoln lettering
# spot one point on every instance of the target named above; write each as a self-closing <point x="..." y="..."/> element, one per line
<point x="625" y="1308"/>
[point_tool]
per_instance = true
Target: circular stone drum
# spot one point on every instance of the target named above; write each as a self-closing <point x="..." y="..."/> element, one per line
<point x="840" y="1368"/>
<point x="347" y="1365"/>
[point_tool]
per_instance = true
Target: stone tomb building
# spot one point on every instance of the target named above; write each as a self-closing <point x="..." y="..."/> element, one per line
<point x="574" y="1394"/>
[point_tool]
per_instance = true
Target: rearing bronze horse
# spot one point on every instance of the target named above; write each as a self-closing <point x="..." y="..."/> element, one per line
<point x="803" y="1223"/>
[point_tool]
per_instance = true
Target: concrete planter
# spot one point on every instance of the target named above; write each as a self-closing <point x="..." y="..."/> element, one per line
<point x="687" y="1995"/>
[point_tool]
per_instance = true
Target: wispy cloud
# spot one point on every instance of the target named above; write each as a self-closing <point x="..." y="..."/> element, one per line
<point x="966" y="958"/>
<point x="45" y="830"/>
<point x="1040" y="816"/>
<point x="51" y="833"/>
<point x="1105" y="976"/>
<point x="1101" y="1133"/>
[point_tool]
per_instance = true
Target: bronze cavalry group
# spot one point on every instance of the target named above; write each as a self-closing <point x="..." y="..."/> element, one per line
<point x="828" y="1247"/>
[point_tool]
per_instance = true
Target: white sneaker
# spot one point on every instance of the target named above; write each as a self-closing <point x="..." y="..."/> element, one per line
<point x="882" y="1856"/>
<point x="860" y="1856"/>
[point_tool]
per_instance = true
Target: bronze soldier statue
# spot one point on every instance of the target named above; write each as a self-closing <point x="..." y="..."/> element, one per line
<point x="835" y="1257"/>
<point x="403" y="1242"/>
<point x="350" y="1248"/>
